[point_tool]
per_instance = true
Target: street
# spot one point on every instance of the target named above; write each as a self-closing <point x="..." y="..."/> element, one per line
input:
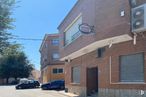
<point x="10" y="91"/>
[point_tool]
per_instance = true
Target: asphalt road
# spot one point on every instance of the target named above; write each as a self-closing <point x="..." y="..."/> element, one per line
<point x="10" y="91"/>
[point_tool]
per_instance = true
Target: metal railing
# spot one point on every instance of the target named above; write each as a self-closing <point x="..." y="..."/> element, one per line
<point x="76" y="35"/>
<point x="73" y="37"/>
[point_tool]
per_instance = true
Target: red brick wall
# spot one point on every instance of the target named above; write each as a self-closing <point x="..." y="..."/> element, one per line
<point x="104" y="15"/>
<point x="49" y="50"/>
<point x="91" y="60"/>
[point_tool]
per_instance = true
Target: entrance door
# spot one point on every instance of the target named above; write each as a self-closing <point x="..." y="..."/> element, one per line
<point x="92" y="80"/>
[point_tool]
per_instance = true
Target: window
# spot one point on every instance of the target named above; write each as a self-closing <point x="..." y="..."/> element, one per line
<point x="44" y="58"/>
<point x="60" y="70"/>
<point x="55" y="56"/>
<point x="76" y="74"/>
<point x="72" y="32"/>
<point x="132" y="68"/>
<point x="55" y="42"/>
<point x="57" y="70"/>
<point x="100" y="52"/>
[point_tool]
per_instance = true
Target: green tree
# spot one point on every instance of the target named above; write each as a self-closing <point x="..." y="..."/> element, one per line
<point x="6" y="8"/>
<point x="14" y="63"/>
<point x="5" y="68"/>
<point x="22" y="67"/>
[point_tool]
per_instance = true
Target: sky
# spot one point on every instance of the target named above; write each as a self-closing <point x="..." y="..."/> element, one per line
<point x="35" y="18"/>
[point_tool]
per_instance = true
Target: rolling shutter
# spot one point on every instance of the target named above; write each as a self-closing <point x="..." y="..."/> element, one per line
<point x="132" y="68"/>
<point x="76" y="74"/>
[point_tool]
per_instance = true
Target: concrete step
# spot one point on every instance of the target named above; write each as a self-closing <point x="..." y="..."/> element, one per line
<point x="94" y="95"/>
<point x="68" y="94"/>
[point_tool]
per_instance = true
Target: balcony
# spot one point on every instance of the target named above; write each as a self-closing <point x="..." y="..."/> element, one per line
<point x="73" y="38"/>
<point x="76" y="35"/>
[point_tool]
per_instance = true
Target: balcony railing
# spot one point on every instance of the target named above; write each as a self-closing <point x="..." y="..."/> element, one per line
<point x="73" y="37"/>
<point x="66" y="42"/>
<point x="76" y="35"/>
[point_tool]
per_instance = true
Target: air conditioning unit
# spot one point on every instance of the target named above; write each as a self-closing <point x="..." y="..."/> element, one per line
<point x="139" y="19"/>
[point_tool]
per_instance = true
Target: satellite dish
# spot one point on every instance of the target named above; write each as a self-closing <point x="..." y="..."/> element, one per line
<point x="86" y="28"/>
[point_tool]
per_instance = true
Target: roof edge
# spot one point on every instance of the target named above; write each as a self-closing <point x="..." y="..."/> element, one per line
<point x="68" y="14"/>
<point x="45" y="37"/>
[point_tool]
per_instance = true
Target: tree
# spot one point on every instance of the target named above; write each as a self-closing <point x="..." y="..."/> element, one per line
<point x="22" y="67"/>
<point x="5" y="68"/>
<point x="6" y="7"/>
<point x="14" y="63"/>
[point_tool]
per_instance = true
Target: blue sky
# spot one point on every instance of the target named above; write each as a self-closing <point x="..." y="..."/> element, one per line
<point x="35" y="18"/>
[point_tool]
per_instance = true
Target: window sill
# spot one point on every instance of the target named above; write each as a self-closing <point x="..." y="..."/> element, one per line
<point x="75" y="83"/>
<point x="57" y="73"/>
<point x="122" y="83"/>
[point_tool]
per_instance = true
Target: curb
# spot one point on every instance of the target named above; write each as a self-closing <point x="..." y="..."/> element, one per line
<point x="68" y="94"/>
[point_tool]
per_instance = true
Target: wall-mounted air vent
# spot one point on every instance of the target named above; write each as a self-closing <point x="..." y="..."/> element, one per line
<point x="139" y="19"/>
<point x="133" y="3"/>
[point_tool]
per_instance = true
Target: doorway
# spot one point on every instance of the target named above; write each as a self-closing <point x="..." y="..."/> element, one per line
<point x="92" y="80"/>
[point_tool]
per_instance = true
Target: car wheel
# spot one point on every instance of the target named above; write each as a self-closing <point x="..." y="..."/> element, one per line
<point x="62" y="87"/>
<point x="45" y="88"/>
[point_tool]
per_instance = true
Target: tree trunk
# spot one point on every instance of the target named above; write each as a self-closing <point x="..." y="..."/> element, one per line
<point x="7" y="80"/>
<point x="15" y="78"/>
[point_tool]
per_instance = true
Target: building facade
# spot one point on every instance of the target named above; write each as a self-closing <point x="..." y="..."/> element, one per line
<point x="35" y="75"/>
<point x="51" y="67"/>
<point x="110" y="61"/>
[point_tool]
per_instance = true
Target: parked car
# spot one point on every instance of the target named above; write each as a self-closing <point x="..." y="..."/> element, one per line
<point x="15" y="82"/>
<point x="56" y="85"/>
<point x="24" y="80"/>
<point x="36" y="83"/>
<point x="28" y="84"/>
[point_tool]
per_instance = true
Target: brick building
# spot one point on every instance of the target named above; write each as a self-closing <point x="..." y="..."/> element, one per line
<point x="35" y="75"/>
<point x="51" y="67"/>
<point x="111" y="61"/>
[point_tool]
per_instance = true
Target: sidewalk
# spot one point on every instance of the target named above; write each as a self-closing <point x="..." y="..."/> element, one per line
<point x="68" y="94"/>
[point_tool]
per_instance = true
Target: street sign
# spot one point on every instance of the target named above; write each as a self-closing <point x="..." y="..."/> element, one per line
<point x="86" y="28"/>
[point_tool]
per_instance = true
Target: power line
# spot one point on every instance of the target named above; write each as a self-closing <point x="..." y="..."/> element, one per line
<point x="28" y="39"/>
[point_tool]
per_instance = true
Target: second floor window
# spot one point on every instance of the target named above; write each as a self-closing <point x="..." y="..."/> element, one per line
<point x="55" y="42"/>
<point x="55" y="56"/>
<point x="72" y="31"/>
